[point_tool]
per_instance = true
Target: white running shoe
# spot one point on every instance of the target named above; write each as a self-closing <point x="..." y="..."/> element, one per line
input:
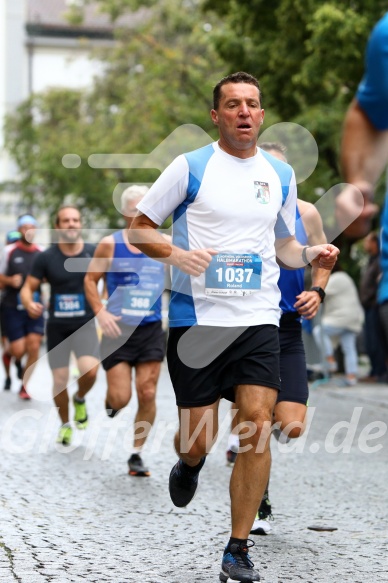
<point x="261" y="527"/>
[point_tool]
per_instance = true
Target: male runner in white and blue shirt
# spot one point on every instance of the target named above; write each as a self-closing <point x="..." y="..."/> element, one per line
<point x="234" y="211"/>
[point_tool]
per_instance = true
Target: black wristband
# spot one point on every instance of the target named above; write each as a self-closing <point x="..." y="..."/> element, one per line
<point x="304" y="255"/>
<point x="321" y="292"/>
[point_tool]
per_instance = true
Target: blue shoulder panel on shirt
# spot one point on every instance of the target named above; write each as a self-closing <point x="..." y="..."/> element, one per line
<point x="300" y="231"/>
<point x="182" y="310"/>
<point x="197" y="161"/>
<point x="283" y="170"/>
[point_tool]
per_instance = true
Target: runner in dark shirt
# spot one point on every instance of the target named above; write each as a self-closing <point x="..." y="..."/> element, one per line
<point x="24" y="333"/>
<point x="70" y="325"/>
<point x="11" y="237"/>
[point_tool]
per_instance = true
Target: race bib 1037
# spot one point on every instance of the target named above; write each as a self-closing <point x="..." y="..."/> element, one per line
<point x="233" y="274"/>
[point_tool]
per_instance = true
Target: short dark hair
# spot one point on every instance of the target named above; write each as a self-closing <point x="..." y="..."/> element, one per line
<point x="239" y="77"/>
<point x="61" y="208"/>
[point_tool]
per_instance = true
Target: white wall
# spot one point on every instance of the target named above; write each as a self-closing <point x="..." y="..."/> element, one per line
<point x="13" y="69"/>
<point x="33" y="65"/>
<point x="63" y="67"/>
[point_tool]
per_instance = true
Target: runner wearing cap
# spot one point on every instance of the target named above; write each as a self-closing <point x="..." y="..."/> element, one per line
<point x="11" y="237"/>
<point x="24" y="333"/>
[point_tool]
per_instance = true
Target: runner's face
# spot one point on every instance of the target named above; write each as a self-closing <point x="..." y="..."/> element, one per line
<point x="27" y="232"/>
<point x="131" y="210"/>
<point x="69" y="223"/>
<point x="239" y="117"/>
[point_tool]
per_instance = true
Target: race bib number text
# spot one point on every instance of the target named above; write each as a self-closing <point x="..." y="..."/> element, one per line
<point x="232" y="274"/>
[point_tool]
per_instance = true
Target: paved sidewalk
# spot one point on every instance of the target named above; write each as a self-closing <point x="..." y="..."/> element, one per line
<point x="71" y="515"/>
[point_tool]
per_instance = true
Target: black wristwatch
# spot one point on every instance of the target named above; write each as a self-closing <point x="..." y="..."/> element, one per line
<point x="320" y="291"/>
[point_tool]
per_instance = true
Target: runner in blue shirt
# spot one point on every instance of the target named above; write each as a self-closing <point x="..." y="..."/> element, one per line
<point x="364" y="154"/>
<point x="364" y="148"/>
<point x="291" y="405"/>
<point x="133" y="341"/>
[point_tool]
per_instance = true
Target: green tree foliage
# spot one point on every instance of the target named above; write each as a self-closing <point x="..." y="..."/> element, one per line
<point x="308" y="55"/>
<point x="44" y="129"/>
<point x="156" y="78"/>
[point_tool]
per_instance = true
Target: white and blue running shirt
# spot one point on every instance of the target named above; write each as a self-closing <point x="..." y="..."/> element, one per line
<point x="237" y="207"/>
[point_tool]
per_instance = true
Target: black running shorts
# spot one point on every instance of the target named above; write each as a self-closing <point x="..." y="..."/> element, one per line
<point x="18" y="324"/>
<point x="136" y="344"/>
<point x="208" y="362"/>
<point x="293" y="371"/>
<point x="3" y="309"/>
<point x="67" y="337"/>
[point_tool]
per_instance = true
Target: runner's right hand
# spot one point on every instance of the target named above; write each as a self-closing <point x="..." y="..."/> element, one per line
<point x="108" y="325"/>
<point x="35" y="309"/>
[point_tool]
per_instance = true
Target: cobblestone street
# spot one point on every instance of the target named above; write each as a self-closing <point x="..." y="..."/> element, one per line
<point x="74" y="514"/>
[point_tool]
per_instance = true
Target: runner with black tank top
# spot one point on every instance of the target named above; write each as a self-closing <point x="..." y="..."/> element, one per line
<point x="70" y="327"/>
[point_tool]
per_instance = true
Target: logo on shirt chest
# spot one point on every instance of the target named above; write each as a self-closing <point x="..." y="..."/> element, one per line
<point x="262" y="194"/>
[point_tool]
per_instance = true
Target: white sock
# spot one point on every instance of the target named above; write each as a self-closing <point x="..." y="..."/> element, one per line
<point x="233" y="442"/>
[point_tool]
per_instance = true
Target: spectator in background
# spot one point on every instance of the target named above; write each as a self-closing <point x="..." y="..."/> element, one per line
<point x="373" y="333"/>
<point x="342" y="321"/>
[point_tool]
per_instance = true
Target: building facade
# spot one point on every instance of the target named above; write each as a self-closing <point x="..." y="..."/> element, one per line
<point x="42" y="45"/>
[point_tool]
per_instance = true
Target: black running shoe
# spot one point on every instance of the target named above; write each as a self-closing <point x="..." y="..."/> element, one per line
<point x="110" y="411"/>
<point x="19" y="368"/>
<point x="280" y="436"/>
<point x="231" y="456"/>
<point x="183" y="482"/>
<point x="136" y="466"/>
<point x="237" y="566"/>
<point x="7" y="384"/>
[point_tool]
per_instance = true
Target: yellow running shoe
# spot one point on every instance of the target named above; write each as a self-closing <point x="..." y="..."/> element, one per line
<point x="80" y="414"/>
<point x="65" y="435"/>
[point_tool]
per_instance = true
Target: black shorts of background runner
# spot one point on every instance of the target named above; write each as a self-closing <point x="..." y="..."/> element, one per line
<point x="216" y="359"/>
<point x="2" y="320"/>
<point x="18" y="324"/>
<point x="293" y="371"/>
<point x="135" y="345"/>
<point x="67" y="337"/>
